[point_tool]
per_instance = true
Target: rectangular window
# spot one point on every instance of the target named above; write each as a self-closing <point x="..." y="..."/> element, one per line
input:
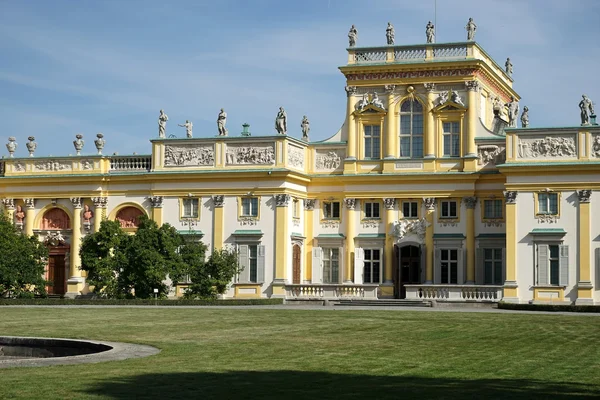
<point x="548" y="203"/>
<point x="250" y="207"/>
<point x="372" y="266"/>
<point x="554" y="264"/>
<point x="331" y="209"/>
<point x="451" y="139"/>
<point x="410" y="209"/>
<point x="253" y="262"/>
<point x="492" y="262"/>
<point x="492" y="209"/>
<point x="372" y="141"/>
<point x="296" y="208"/>
<point x="449" y="209"/>
<point x="372" y="210"/>
<point x="449" y="266"/>
<point x="190" y="207"/>
<point x="331" y="265"/>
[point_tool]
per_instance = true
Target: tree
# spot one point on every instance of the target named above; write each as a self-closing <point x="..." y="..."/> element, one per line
<point x="214" y="276"/>
<point x="103" y="257"/>
<point x="22" y="262"/>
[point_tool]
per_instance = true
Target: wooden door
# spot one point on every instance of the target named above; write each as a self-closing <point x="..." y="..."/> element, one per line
<point x="410" y="260"/>
<point x="56" y="274"/>
<point x="296" y="266"/>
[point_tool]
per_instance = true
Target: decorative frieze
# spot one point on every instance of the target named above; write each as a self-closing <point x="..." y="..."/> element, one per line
<point x="328" y="160"/>
<point x="429" y="203"/>
<point x="53" y="165"/>
<point x="86" y="165"/>
<point x="100" y="202"/>
<point x="295" y="157"/>
<point x="247" y="221"/>
<point x="370" y="76"/>
<point x="156" y="201"/>
<point x="19" y="166"/>
<point x="218" y="200"/>
<point x="371" y="223"/>
<point x="510" y="197"/>
<point x="389" y="203"/>
<point x="493" y="223"/>
<point x="76" y="201"/>
<point x="584" y="195"/>
<point x="491" y="154"/>
<point x="449" y="223"/>
<point x="189" y="155"/>
<point x="546" y="218"/>
<point x="548" y="147"/>
<point x="350" y="203"/>
<point x="330" y="224"/>
<point x="282" y="200"/>
<point x="405" y="226"/>
<point x="470" y="202"/>
<point x="309" y="204"/>
<point x="262" y="154"/>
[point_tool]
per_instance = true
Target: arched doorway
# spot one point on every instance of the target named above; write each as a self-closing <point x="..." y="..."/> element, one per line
<point x="296" y="264"/>
<point x="408" y="268"/>
<point x="53" y="222"/>
<point x="129" y="217"/>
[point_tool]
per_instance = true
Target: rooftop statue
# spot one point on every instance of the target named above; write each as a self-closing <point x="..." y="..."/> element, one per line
<point x="513" y="112"/>
<point x="188" y="128"/>
<point x="430" y="32"/>
<point x="525" y="118"/>
<point x="305" y="125"/>
<point x="471" y="28"/>
<point x="281" y="122"/>
<point x="390" y="34"/>
<point x="509" y="67"/>
<point x="587" y="108"/>
<point x="221" y="121"/>
<point x="352" y="36"/>
<point x="162" y="124"/>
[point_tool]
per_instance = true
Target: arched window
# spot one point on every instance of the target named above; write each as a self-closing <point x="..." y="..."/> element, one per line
<point x="411" y="129"/>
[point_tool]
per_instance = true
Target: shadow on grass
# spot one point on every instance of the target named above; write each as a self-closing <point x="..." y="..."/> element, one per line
<point x="324" y="385"/>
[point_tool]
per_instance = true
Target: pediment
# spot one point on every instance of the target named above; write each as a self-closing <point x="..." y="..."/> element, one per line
<point x="371" y="109"/>
<point x="450" y="106"/>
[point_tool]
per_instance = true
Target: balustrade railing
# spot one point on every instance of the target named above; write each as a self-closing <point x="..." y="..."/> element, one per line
<point x="410" y="53"/>
<point x="370" y="56"/>
<point x="332" y="291"/>
<point x="477" y="293"/>
<point x="450" y="51"/>
<point x="130" y="163"/>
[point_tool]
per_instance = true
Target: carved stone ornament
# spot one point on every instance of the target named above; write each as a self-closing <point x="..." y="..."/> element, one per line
<point x="9" y="204"/>
<point x="350" y="203"/>
<point x="371" y="223"/>
<point x="429" y="87"/>
<point x="595" y="150"/>
<point x="491" y="154"/>
<point x="54" y="239"/>
<point x="470" y="202"/>
<point x="29" y="203"/>
<point x="19" y="166"/>
<point x="442" y="97"/>
<point x="76" y="201"/>
<point x="434" y="73"/>
<point x="99" y="142"/>
<point x="189" y="156"/>
<point x="11" y="146"/>
<point x="156" y="201"/>
<point x="100" y="202"/>
<point x="389" y="203"/>
<point x="309" y="204"/>
<point x="510" y="197"/>
<point x="389" y="88"/>
<point x="53" y="165"/>
<point x="452" y="223"/>
<point x="257" y="154"/>
<point x="404" y="227"/>
<point x="584" y="195"/>
<point x="247" y="221"/>
<point x="296" y="157"/>
<point x="547" y="218"/>
<point x="329" y="160"/>
<point x="350" y="90"/>
<point x="78" y="143"/>
<point x="548" y="147"/>
<point x="367" y="100"/>
<point x="330" y="224"/>
<point x="218" y="200"/>
<point x="472" y="86"/>
<point x="31" y="145"/>
<point x="429" y="203"/>
<point x="282" y="200"/>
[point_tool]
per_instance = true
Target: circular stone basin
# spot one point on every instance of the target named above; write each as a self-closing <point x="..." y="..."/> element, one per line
<point x="34" y="352"/>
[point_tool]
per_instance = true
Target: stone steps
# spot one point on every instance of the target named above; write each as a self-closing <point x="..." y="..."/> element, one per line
<point x="381" y="303"/>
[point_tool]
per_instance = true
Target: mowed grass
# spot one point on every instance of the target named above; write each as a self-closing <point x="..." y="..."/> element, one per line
<point x="313" y="354"/>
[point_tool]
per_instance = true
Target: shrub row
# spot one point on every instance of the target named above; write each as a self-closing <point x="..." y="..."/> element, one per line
<point x="137" y="302"/>
<point x="549" y="307"/>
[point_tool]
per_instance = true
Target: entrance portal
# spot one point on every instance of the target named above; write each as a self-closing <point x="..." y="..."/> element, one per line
<point x="296" y="266"/>
<point x="409" y="263"/>
<point x="57" y="274"/>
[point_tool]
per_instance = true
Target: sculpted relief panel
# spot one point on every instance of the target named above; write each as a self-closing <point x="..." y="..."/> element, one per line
<point x="328" y="159"/>
<point x="53" y="165"/>
<point x="595" y="150"/>
<point x="296" y="157"/>
<point x="259" y="153"/>
<point x="548" y="147"/>
<point x="189" y="156"/>
<point x="491" y="154"/>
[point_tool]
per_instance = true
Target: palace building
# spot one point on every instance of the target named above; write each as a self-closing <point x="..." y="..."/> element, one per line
<point x="428" y="191"/>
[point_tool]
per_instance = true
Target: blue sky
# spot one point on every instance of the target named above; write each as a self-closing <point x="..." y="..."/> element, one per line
<point x="89" y="66"/>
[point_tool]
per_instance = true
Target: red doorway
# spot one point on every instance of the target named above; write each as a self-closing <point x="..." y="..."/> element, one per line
<point x="57" y="272"/>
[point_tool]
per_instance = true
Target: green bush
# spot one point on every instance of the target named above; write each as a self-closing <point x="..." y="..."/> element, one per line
<point x="138" y="302"/>
<point x="549" y="307"/>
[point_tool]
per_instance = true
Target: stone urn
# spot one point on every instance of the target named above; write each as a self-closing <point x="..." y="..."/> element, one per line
<point x="11" y="146"/>
<point x="78" y="143"/>
<point x="31" y="145"/>
<point x="99" y="142"/>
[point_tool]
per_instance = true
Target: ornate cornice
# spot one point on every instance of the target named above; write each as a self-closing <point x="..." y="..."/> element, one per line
<point x="367" y="76"/>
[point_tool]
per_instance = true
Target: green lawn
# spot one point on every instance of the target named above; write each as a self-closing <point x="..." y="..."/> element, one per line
<point x="293" y="354"/>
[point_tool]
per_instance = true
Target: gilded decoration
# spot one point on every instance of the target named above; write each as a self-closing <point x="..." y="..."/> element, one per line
<point x="491" y="154"/>
<point x="548" y="147"/>
<point x="189" y="156"/>
<point x="328" y="160"/>
<point x="296" y="157"/>
<point x="257" y="154"/>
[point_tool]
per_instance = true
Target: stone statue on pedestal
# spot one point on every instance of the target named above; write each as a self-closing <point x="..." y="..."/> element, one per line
<point x="513" y="112"/>
<point x="525" y="117"/>
<point x="221" y="121"/>
<point x="390" y="34"/>
<point x="188" y="128"/>
<point x="281" y="122"/>
<point x="305" y="125"/>
<point x="352" y="36"/>
<point x="587" y="108"/>
<point x="430" y="32"/>
<point x="471" y="28"/>
<point x="162" y="124"/>
<point x="509" y="67"/>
